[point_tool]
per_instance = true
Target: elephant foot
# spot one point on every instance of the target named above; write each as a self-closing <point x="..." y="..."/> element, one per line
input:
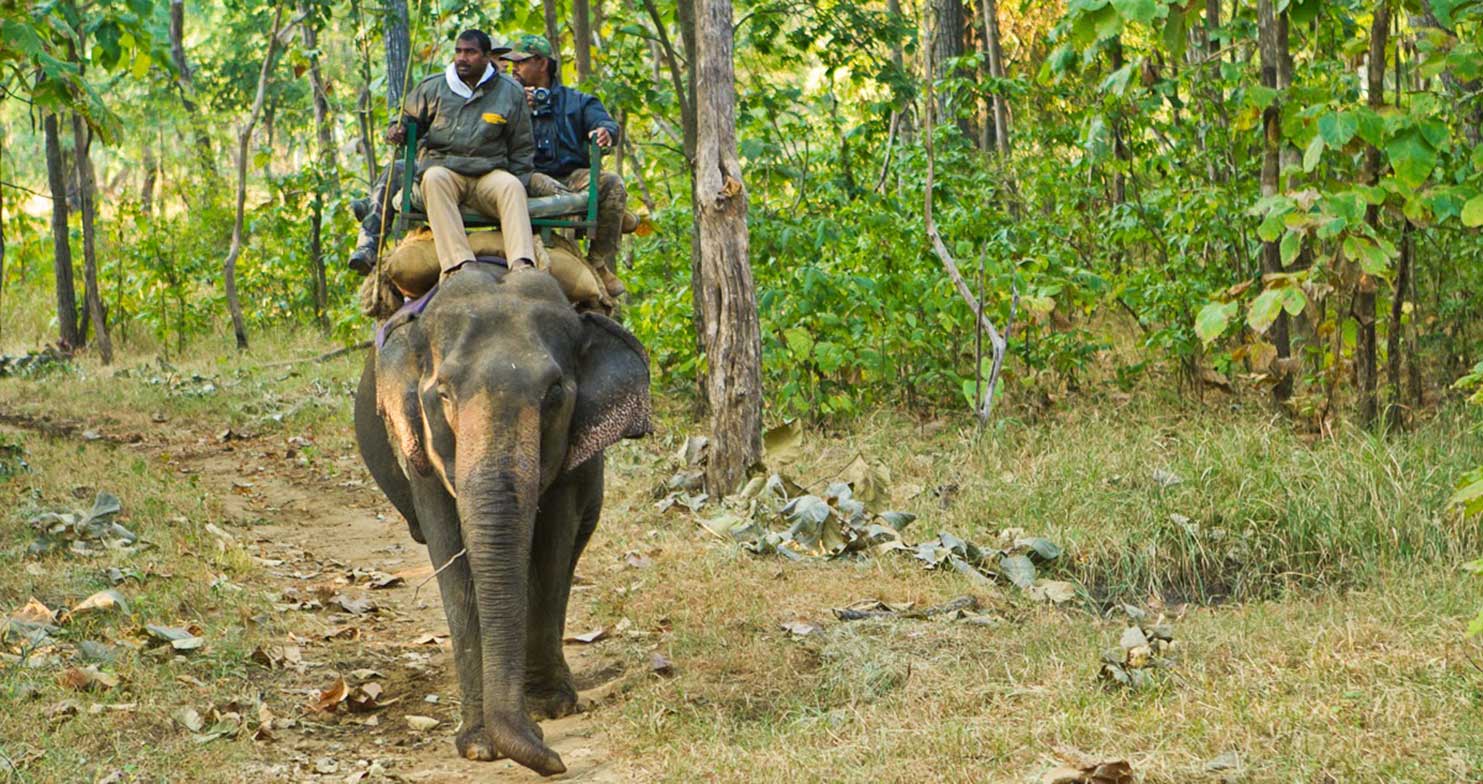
<point x="474" y="743"/>
<point x="551" y="701"/>
<point x="517" y="737"/>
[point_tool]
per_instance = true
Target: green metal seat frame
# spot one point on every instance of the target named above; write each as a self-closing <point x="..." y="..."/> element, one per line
<point x="547" y="212"/>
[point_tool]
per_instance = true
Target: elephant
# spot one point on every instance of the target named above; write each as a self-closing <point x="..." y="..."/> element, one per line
<point x="483" y="420"/>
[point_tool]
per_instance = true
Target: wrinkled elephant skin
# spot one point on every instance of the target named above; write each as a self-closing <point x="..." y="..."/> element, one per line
<point x="484" y="422"/>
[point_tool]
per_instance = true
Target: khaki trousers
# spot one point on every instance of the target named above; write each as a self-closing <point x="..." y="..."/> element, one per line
<point x="497" y="194"/>
<point x="612" y="200"/>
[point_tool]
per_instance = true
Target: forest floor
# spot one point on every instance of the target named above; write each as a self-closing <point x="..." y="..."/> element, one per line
<point x="1311" y="587"/>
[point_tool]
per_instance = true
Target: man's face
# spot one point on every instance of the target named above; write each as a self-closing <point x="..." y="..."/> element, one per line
<point x="468" y="59"/>
<point x="530" y="71"/>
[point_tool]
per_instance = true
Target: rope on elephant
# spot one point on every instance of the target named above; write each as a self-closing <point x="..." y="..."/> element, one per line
<point x="429" y="578"/>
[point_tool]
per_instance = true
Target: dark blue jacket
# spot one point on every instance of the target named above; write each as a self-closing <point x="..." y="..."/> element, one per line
<point x="561" y="134"/>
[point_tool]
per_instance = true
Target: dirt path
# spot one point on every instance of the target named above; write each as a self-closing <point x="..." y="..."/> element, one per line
<point x="319" y="527"/>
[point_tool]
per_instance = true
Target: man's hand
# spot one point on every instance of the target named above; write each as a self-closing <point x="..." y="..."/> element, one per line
<point x="530" y="96"/>
<point x="396" y="134"/>
<point x="602" y="137"/>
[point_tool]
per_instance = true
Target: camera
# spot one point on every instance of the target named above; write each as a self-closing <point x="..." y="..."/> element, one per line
<point x="540" y="101"/>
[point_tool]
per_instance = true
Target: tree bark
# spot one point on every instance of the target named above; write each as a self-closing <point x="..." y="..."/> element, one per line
<point x="2" y="221"/>
<point x="244" y="141"/>
<point x="1393" y="355"/>
<point x="1119" y="146"/>
<point x="582" y="39"/>
<point x="87" y="192"/>
<point x="733" y="337"/>
<point x="69" y="334"/>
<point x="1271" y="57"/>
<point x="326" y="176"/>
<point x="185" y="79"/>
<point x="1365" y="359"/>
<point x="151" y="173"/>
<point x="996" y="70"/>
<point x="398" y="37"/>
<point x="553" y="26"/>
<point x="947" y="43"/>
<point x="685" y="14"/>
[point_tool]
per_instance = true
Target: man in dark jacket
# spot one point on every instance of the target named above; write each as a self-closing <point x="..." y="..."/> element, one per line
<point x="475" y="150"/>
<point x="563" y="119"/>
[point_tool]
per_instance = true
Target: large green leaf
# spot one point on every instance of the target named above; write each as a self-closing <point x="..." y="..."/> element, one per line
<point x="1412" y="157"/>
<point x="1313" y="154"/>
<point x="1213" y="319"/>
<point x="1141" y="11"/>
<point x="1337" y="128"/>
<point x="1292" y="245"/>
<point x="1472" y="212"/>
<point x="1264" y="310"/>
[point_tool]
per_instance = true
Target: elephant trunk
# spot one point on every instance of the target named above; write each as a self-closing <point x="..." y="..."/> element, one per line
<point x="498" y="489"/>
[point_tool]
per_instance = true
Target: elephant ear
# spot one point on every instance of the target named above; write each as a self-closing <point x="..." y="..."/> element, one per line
<point x="397" y="372"/>
<point x="612" y="390"/>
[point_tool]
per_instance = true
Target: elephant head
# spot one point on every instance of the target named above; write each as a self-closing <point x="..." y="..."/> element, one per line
<point x="495" y="392"/>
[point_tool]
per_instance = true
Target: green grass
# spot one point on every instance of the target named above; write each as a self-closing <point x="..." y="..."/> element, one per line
<point x="1323" y="633"/>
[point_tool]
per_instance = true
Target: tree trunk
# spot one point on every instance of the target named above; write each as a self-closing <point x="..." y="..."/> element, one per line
<point x="1119" y="147"/>
<point x="87" y="188"/>
<point x="996" y="70"/>
<point x="732" y="339"/>
<point x="553" y="26"/>
<point x="185" y="79"/>
<point x="151" y="173"/>
<point x="398" y="53"/>
<point x="244" y="141"/>
<point x="1365" y="360"/>
<point x="69" y="334"/>
<point x="327" y="173"/>
<point x="582" y="39"/>
<point x="2" y="222"/>
<point x="947" y="42"/>
<point x="685" y="14"/>
<point x="1268" y="38"/>
<point x="1393" y="358"/>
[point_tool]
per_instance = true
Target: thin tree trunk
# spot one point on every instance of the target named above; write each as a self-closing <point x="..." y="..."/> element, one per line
<point x="87" y="187"/>
<point x="70" y="336"/>
<point x="1393" y="353"/>
<point x="2" y="222"/>
<point x="1365" y="359"/>
<point x="398" y="53"/>
<point x="733" y="337"/>
<point x="244" y="141"/>
<point x="151" y="173"/>
<point x="1119" y="147"/>
<point x="553" y="26"/>
<point x="685" y="14"/>
<point x="327" y="173"/>
<point x="582" y="39"/>
<point x="996" y="70"/>
<point x="185" y="79"/>
<point x="1268" y="39"/>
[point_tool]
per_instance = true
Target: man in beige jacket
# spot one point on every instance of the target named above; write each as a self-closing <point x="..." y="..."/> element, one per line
<point x="476" y="150"/>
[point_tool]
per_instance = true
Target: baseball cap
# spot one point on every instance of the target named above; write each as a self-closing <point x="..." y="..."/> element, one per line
<point x="528" y="45"/>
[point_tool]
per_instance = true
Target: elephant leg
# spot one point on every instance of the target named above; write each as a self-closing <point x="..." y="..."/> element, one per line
<point x="455" y="583"/>
<point x="376" y="451"/>
<point x="568" y="515"/>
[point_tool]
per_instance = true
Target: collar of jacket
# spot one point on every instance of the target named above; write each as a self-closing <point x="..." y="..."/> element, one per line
<point x="456" y="84"/>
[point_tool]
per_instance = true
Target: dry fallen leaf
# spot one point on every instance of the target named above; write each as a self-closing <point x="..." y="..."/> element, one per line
<point x="330" y="697"/>
<point x="422" y="723"/>
<point x="659" y="664"/>
<point x="34" y="612"/>
<point x="801" y="628"/>
<point x="101" y="601"/>
<point x="1081" y="769"/>
<point x="586" y="638"/>
<point x="88" y="678"/>
<point x="189" y="718"/>
<point x="431" y="639"/>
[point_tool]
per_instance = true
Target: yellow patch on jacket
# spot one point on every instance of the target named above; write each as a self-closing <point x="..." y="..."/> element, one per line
<point x="494" y="118"/>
